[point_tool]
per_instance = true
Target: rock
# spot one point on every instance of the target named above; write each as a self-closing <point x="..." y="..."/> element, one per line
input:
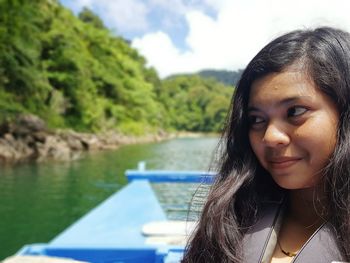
<point x="91" y="142"/>
<point x="27" y="137"/>
<point x="29" y="140"/>
<point x="54" y="147"/>
<point x="40" y="136"/>
<point x="14" y="150"/>
<point x="75" y="144"/>
<point x="24" y="124"/>
<point x="9" y="137"/>
<point x="31" y="123"/>
<point x="110" y="140"/>
<point x="73" y="140"/>
<point x="24" y="151"/>
<point x="7" y="153"/>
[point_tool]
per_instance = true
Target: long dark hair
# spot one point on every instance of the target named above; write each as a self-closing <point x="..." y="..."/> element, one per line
<point x="233" y="201"/>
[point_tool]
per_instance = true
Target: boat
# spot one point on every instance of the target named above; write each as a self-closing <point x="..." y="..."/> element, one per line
<point x="128" y="227"/>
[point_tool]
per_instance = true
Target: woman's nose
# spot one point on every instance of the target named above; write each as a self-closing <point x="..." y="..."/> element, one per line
<point x="275" y="136"/>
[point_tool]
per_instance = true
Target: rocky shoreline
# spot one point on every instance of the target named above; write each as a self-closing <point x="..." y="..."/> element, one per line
<point x="28" y="139"/>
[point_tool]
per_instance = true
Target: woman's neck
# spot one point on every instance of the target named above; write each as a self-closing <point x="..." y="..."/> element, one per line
<point x="305" y="208"/>
<point x="302" y="218"/>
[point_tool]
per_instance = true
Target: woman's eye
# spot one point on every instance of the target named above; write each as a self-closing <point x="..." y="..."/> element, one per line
<point x="253" y="120"/>
<point x="296" y="111"/>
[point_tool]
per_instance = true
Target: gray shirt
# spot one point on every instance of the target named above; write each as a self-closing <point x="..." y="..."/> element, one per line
<point x="260" y="241"/>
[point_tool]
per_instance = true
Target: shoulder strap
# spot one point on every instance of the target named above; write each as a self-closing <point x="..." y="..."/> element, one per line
<point x="321" y="247"/>
<point x="257" y="237"/>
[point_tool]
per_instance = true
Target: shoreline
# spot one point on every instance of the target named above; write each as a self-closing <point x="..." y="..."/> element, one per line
<point x="27" y="139"/>
<point x="64" y="145"/>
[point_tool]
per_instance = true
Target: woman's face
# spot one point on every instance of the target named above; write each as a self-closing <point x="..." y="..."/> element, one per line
<point x="293" y="128"/>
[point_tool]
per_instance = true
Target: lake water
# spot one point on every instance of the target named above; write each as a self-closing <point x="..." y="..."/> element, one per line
<point x="39" y="200"/>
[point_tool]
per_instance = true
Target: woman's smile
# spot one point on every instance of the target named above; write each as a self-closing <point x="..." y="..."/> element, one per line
<point x="280" y="163"/>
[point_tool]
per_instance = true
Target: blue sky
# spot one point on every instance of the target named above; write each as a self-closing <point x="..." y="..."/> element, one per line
<point x="136" y="18"/>
<point x="181" y="36"/>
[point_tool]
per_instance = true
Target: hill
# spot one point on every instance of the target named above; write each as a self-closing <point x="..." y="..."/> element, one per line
<point x="225" y="76"/>
<point x="74" y="73"/>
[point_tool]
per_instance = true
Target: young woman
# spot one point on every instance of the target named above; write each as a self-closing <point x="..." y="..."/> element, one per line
<point x="282" y="193"/>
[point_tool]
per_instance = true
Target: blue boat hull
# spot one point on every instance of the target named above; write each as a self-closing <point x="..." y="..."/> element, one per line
<point x="111" y="232"/>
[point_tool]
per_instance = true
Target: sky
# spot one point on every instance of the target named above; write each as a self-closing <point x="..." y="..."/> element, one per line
<point x="185" y="36"/>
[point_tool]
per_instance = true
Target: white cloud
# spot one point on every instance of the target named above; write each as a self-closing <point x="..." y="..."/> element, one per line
<point x="123" y="15"/>
<point x="239" y="31"/>
<point x="162" y="53"/>
<point x="79" y="4"/>
<point x="82" y="3"/>
<point x="227" y="40"/>
<point x="216" y="4"/>
<point x="172" y="6"/>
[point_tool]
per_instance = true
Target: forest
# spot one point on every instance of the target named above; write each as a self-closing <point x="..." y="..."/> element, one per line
<point x="74" y="73"/>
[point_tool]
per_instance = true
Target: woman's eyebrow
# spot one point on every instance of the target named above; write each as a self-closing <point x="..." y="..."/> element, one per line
<point x="252" y="108"/>
<point x="285" y="101"/>
<point x="295" y="99"/>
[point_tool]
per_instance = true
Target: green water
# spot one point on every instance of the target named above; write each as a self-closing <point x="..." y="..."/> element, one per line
<point x="38" y="201"/>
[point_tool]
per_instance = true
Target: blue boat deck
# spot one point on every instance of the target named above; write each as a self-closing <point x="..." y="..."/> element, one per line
<point x="112" y="232"/>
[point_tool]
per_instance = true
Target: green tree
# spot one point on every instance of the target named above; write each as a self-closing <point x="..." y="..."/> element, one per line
<point x="73" y="72"/>
<point x="194" y="103"/>
<point x="87" y="16"/>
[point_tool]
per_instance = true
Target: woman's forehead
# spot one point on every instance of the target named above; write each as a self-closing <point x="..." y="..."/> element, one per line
<point x="283" y="86"/>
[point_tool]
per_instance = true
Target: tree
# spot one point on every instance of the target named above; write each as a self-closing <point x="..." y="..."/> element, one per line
<point x="194" y="103"/>
<point x="87" y="16"/>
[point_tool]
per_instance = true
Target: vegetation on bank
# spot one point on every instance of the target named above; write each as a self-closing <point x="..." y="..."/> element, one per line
<point x="74" y="73"/>
<point x="193" y="103"/>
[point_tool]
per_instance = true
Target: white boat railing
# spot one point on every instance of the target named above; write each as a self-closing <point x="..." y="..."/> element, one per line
<point x="160" y="176"/>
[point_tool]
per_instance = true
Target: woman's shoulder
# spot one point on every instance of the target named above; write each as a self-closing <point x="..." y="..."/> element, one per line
<point x="321" y="247"/>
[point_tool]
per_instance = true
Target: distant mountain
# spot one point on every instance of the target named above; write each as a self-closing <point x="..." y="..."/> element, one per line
<point x="227" y="77"/>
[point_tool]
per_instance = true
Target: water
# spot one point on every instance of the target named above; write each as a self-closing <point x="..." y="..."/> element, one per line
<point x="38" y="201"/>
<point x="181" y="201"/>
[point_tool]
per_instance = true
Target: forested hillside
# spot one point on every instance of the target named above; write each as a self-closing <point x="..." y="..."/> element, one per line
<point x="225" y="76"/>
<point x="193" y="103"/>
<point x="74" y="73"/>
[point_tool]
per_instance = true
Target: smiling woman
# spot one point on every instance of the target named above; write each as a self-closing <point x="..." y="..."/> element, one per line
<point x="293" y="128"/>
<point x="282" y="193"/>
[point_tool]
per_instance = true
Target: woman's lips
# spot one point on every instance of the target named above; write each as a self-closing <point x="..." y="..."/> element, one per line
<point x="282" y="162"/>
